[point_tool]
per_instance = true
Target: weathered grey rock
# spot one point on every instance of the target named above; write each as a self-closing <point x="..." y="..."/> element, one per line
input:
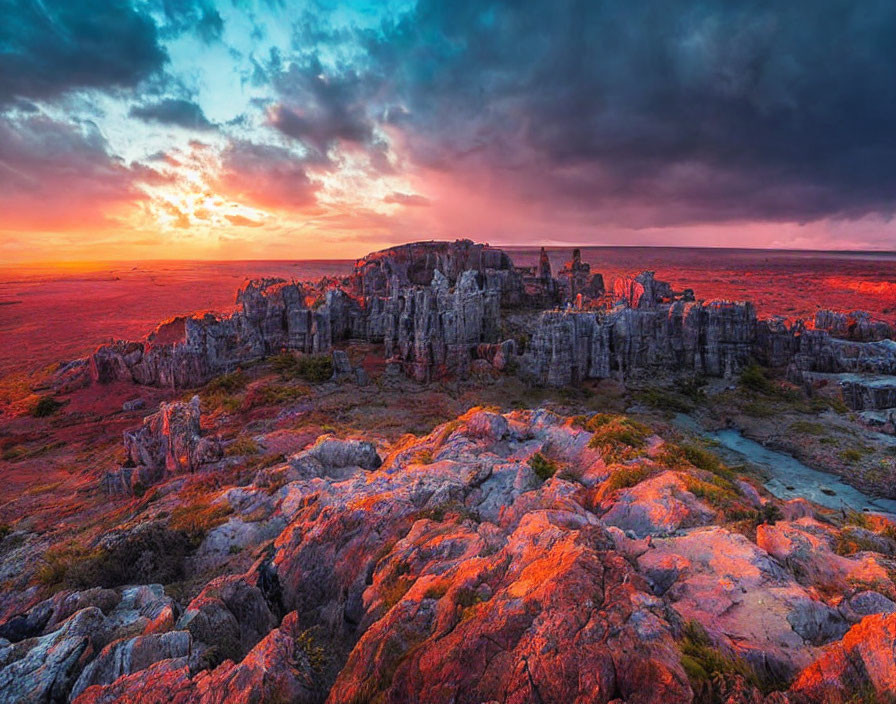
<point x="167" y="440"/>
<point x="333" y="458"/>
<point x="865" y="603"/>
<point x="642" y="291"/>
<point x="857" y="325"/>
<point x="434" y="305"/>
<point x="715" y="339"/>
<point x="869" y="393"/>
<point x="230" y="614"/>
<point x="126" y="656"/>
<point x="167" y="443"/>
<point x="49" y="665"/>
<point x="134" y="404"/>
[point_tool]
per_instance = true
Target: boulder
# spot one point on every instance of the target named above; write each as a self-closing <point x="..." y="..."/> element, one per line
<point x="658" y="506"/>
<point x="126" y="656"/>
<point x="864" y="661"/>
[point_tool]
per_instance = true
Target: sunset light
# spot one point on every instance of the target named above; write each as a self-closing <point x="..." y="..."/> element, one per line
<point x="447" y="352"/>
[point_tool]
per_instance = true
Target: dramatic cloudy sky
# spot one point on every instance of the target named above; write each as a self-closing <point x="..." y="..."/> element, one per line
<point x="268" y="128"/>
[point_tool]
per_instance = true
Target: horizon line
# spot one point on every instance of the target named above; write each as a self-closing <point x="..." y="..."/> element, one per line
<point x="551" y="246"/>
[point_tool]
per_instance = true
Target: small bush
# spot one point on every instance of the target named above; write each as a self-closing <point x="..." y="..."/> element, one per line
<point x="543" y="467"/>
<point x="5" y="529"/>
<point x="436" y="591"/>
<point x="45" y="406"/>
<point x="849" y="542"/>
<point x="148" y="555"/>
<point x="227" y="383"/>
<point x="666" y="400"/>
<point x="858" y="519"/>
<point x="677" y="456"/>
<point x="722" y="497"/>
<point x="272" y="395"/>
<point x="195" y="520"/>
<point x="625" y="477"/>
<point x="770" y="513"/>
<point x="852" y="455"/>
<point x="616" y="436"/>
<point x="753" y="378"/>
<point x="805" y="427"/>
<point x="314" y="368"/>
<point x="703" y="662"/>
<point x="316" y="654"/>
<point x="242" y="445"/>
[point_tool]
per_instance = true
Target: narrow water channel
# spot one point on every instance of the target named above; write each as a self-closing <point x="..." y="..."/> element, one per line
<point x="790" y="478"/>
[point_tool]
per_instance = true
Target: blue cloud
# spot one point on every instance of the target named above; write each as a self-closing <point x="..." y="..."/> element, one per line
<point x="48" y="47"/>
<point x="173" y="111"/>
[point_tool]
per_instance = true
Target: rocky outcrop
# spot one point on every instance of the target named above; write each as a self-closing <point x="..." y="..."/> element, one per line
<point x="436" y="307"/>
<point x="576" y="283"/>
<point x="498" y="558"/>
<point x="857" y="325"/>
<point x="69" y="629"/>
<point x="862" y="664"/>
<point x="389" y="272"/>
<point x="869" y="393"/>
<point x="433" y="331"/>
<point x="277" y="669"/>
<point x="715" y="339"/>
<point x="169" y="442"/>
<point x="129" y="655"/>
<point x="642" y="291"/>
<point x="430" y="303"/>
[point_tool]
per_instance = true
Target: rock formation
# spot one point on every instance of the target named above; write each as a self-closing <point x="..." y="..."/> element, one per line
<point x="575" y="279"/>
<point x="437" y="306"/>
<point x="715" y="339"/>
<point x="169" y="442"/>
<point x="456" y="569"/>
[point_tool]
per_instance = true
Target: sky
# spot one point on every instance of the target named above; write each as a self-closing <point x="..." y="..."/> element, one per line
<point x="268" y="129"/>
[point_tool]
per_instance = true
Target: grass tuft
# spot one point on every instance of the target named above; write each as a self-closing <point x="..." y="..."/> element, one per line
<point x="543" y="467"/>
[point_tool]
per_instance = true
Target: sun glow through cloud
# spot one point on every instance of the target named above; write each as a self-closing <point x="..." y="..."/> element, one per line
<point x="318" y="127"/>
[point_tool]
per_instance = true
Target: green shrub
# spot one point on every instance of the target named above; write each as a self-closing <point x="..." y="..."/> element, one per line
<point x="543" y="467"/>
<point x="703" y="662"/>
<point x="806" y="427"/>
<point x="316" y="653"/>
<point x="665" y="400"/>
<point x="753" y="378"/>
<point x="616" y="436"/>
<point x="5" y="529"/>
<point x="152" y="554"/>
<point x="770" y="513"/>
<point x="227" y="383"/>
<point x="858" y="519"/>
<point x="45" y="406"/>
<point x="272" y="394"/>
<point x="242" y="445"/>
<point x="625" y="477"/>
<point x="195" y="520"/>
<point x="849" y="542"/>
<point x="314" y="368"/>
<point x="852" y="455"/>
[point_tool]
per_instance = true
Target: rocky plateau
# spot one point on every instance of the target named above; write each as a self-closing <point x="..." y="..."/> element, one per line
<point x="447" y="479"/>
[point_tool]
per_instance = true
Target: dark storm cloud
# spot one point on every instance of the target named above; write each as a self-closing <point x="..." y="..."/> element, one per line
<point x="173" y="111"/>
<point x="697" y="110"/>
<point x="50" y="46"/>
<point x="320" y="106"/>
